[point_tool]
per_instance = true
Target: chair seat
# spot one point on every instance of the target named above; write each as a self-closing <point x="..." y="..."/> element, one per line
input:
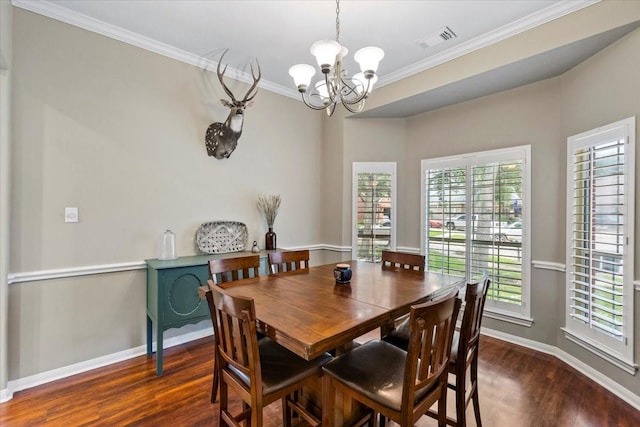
<point x="282" y="368"/>
<point x="376" y="370"/>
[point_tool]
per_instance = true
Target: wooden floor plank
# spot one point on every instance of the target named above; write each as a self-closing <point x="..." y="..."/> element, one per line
<point x="518" y="387"/>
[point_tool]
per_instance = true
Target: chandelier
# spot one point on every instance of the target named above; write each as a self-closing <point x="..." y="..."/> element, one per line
<point x="337" y="86"/>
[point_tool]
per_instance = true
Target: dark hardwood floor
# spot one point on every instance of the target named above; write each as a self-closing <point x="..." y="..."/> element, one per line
<point x="518" y="387"/>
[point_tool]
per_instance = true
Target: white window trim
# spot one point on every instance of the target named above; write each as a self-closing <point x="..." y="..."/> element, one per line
<point x="620" y="354"/>
<point x="503" y="312"/>
<point x="372" y="167"/>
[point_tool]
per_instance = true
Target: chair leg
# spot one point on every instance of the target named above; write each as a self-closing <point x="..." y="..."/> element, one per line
<point x="474" y="384"/>
<point x="286" y="413"/>
<point x="442" y="405"/>
<point x="328" y="402"/>
<point x="461" y="408"/>
<point x="214" y="386"/>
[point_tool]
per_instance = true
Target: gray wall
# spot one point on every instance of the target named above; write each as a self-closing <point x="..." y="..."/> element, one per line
<point x="118" y="132"/>
<point x="6" y="62"/>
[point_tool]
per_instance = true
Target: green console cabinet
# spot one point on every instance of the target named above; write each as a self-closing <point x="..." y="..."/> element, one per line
<point x="172" y="294"/>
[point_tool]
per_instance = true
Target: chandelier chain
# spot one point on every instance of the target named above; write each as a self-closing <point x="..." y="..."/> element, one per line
<point x="338" y="21"/>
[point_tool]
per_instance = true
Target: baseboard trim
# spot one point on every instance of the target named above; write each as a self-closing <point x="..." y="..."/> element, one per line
<point x="98" y="362"/>
<point x="5" y="395"/>
<point x="615" y="388"/>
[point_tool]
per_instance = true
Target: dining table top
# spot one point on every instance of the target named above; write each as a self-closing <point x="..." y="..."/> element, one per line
<point x="307" y="312"/>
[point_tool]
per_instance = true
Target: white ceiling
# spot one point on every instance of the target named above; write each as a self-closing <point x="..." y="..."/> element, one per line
<point x="279" y="33"/>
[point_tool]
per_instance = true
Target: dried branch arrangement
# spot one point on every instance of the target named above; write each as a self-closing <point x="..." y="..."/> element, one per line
<point x="269" y="206"/>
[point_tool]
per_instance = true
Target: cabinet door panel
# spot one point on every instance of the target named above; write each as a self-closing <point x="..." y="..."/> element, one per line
<point x="180" y="294"/>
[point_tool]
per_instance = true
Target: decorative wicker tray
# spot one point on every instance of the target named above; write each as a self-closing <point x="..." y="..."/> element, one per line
<point x="218" y="237"/>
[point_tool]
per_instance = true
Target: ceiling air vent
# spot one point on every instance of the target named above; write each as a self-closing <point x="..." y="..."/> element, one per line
<point x="442" y="35"/>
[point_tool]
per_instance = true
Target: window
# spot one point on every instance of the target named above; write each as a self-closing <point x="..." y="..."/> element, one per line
<point x="374" y="222"/>
<point x="600" y="219"/>
<point x="475" y="219"/>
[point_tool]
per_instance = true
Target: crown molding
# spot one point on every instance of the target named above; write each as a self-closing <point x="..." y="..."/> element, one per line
<point x="555" y="11"/>
<point x="54" y="11"/>
<point x="59" y="13"/>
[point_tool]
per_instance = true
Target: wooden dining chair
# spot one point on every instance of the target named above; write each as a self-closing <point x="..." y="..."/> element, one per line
<point x="464" y="353"/>
<point x="261" y="372"/>
<point x="395" y="261"/>
<point x="411" y="381"/>
<point x="224" y="271"/>
<point x="230" y="269"/>
<point x="288" y="261"/>
<point x="401" y="260"/>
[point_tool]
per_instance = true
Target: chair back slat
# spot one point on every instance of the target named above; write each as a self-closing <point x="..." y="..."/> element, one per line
<point x="232" y="269"/>
<point x="400" y="260"/>
<point x="280" y="262"/>
<point x="475" y="298"/>
<point x="429" y="349"/>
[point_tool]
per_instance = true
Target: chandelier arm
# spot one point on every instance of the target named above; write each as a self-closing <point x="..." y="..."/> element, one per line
<point x="332" y="89"/>
<point x="352" y="89"/>
<point x="309" y="104"/>
<point x="350" y="108"/>
<point x="331" y="108"/>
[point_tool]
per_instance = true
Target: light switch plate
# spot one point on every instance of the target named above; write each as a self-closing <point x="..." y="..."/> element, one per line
<point x="70" y="214"/>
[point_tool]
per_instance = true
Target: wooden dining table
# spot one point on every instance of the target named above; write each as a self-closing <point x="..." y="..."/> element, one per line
<point x="307" y="312"/>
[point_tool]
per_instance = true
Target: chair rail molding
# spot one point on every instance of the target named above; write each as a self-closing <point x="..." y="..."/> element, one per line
<point x="61" y="273"/>
<point x="33" y="276"/>
<point x="548" y="265"/>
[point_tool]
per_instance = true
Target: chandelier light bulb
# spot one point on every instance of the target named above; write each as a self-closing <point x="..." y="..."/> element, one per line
<point x="369" y="58"/>
<point x="302" y="74"/>
<point x="325" y="52"/>
<point x="343" y="52"/>
<point x="362" y="81"/>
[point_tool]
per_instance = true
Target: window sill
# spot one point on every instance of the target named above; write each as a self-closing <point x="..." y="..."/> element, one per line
<point x="508" y="317"/>
<point x="597" y="349"/>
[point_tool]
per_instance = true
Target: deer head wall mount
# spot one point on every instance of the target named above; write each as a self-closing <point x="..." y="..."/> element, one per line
<point x="222" y="138"/>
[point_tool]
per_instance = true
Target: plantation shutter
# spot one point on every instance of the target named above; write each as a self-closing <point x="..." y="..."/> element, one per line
<point x="479" y="200"/>
<point x="374" y="188"/>
<point x="446" y="199"/>
<point x="496" y="204"/>
<point x="598" y="237"/>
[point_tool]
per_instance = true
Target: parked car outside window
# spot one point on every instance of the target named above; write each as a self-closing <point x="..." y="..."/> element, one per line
<point x="459" y="222"/>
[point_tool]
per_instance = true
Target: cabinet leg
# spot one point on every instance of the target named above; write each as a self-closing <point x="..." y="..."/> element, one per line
<point x="149" y="336"/>
<point x="159" y="348"/>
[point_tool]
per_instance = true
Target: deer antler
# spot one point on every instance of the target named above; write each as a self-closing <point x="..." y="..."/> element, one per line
<point x="256" y="79"/>
<point x="221" y="77"/>
<point x="254" y="85"/>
